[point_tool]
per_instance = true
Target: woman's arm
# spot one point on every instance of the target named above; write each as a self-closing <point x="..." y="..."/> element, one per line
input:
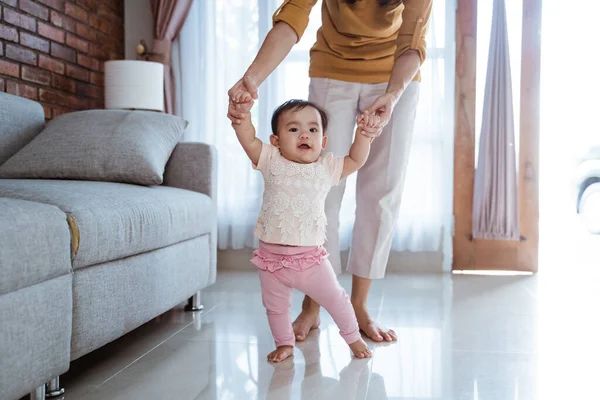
<point x="289" y="23"/>
<point x="405" y="68"/>
<point x="277" y="45"/>
<point x="410" y="55"/>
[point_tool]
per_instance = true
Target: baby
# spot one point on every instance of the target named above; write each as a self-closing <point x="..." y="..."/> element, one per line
<point x="291" y="225"/>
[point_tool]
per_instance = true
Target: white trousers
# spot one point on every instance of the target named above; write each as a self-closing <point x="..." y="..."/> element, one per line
<point x="379" y="182"/>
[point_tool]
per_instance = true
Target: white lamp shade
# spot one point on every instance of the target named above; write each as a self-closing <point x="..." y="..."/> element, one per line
<point x="130" y="84"/>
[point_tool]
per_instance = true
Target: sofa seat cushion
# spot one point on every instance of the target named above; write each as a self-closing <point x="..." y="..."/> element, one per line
<point x="35" y="244"/>
<point x="110" y="221"/>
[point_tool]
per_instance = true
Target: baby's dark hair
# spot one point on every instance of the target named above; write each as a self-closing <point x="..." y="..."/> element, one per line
<point x="297" y="105"/>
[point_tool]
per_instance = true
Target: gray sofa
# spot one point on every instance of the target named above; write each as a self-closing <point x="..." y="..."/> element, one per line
<point x="84" y="262"/>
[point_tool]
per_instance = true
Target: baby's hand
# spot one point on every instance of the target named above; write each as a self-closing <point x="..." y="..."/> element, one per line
<point x="368" y="120"/>
<point x="238" y="112"/>
<point x="369" y="124"/>
<point x="241" y="95"/>
<point x="244" y="107"/>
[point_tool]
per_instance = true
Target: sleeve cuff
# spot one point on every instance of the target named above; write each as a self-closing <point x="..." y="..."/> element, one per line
<point x="337" y="170"/>
<point x="265" y="155"/>
<point x="293" y="15"/>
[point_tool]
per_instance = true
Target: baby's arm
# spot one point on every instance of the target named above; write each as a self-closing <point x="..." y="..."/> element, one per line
<point x="245" y="131"/>
<point x="359" y="151"/>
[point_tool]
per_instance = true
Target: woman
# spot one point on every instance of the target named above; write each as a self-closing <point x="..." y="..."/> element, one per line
<point x="366" y="60"/>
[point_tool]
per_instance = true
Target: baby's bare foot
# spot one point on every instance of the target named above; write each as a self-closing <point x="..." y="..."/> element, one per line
<point x="281" y="353"/>
<point x="360" y="349"/>
<point x="306" y="321"/>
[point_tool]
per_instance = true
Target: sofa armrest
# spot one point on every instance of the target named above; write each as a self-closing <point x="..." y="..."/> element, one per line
<point x="193" y="166"/>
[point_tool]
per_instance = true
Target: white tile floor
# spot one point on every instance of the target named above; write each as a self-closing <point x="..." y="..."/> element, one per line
<point x="460" y="338"/>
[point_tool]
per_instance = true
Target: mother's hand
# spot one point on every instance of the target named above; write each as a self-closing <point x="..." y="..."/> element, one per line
<point x="369" y="124"/>
<point x="382" y="107"/>
<point x="244" y="90"/>
<point x="242" y="96"/>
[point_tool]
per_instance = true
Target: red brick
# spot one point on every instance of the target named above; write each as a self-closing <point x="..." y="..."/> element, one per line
<point x="117" y="32"/>
<point x="97" y="104"/>
<point x="86" y="90"/>
<point x="63" y="22"/>
<point x="35" y="75"/>
<point x="18" y="19"/>
<point x="35" y="42"/>
<point x="21" y="54"/>
<point x="85" y="32"/>
<point x="51" y="32"/>
<point x="78" y="44"/>
<point x="100" y="24"/>
<point x="91" y="5"/>
<point x="98" y="52"/>
<point x="88" y="62"/>
<point x="53" y="97"/>
<point x="62" y="52"/>
<point x="8" y="33"/>
<point x="59" y="111"/>
<point x="34" y="9"/>
<point x="47" y="112"/>
<point x="9" y="68"/>
<point x="50" y="64"/>
<point x="115" y="5"/>
<point x="1" y="85"/>
<point x="64" y="84"/>
<point x="76" y="12"/>
<point x="20" y="89"/>
<point x="109" y="43"/>
<point x="56" y="4"/>
<point x="78" y="73"/>
<point x="106" y="13"/>
<point x="12" y="3"/>
<point x="78" y="103"/>
<point x="97" y="79"/>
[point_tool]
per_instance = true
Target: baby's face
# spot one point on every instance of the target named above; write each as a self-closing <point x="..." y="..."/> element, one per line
<point x="300" y="137"/>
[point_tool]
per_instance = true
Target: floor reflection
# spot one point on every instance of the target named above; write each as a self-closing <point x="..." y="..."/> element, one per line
<point x="459" y="338"/>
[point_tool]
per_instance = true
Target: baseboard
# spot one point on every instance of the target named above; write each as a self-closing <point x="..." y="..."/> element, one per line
<point x="399" y="262"/>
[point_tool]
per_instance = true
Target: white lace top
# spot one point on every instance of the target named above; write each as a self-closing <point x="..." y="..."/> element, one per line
<point x="293" y="209"/>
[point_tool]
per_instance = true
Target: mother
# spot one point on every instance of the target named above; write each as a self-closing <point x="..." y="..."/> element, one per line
<point x="366" y="59"/>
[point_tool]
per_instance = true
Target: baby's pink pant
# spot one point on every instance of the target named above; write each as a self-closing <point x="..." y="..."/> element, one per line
<point x="318" y="281"/>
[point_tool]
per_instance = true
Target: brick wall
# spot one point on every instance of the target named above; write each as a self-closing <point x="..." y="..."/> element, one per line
<point x="52" y="51"/>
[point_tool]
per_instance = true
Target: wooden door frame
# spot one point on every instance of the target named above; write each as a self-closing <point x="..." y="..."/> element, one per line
<point x="470" y="254"/>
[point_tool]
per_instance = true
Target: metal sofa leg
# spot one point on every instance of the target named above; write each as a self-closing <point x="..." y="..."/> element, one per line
<point x="39" y="393"/>
<point x="193" y="304"/>
<point x="53" y="388"/>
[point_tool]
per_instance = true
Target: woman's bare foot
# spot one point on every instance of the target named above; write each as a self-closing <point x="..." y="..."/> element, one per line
<point x="281" y="353"/>
<point x="307" y="320"/>
<point x="360" y="349"/>
<point x="371" y="328"/>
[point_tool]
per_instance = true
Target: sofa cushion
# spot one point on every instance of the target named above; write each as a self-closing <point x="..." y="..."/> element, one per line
<point x="114" y="220"/>
<point x="20" y="121"/>
<point x="35" y="244"/>
<point x="103" y="145"/>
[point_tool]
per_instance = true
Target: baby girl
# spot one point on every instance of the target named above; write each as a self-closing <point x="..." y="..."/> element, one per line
<point x="291" y="224"/>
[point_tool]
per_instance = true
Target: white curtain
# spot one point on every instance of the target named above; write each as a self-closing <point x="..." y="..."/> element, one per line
<point x="216" y="45"/>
